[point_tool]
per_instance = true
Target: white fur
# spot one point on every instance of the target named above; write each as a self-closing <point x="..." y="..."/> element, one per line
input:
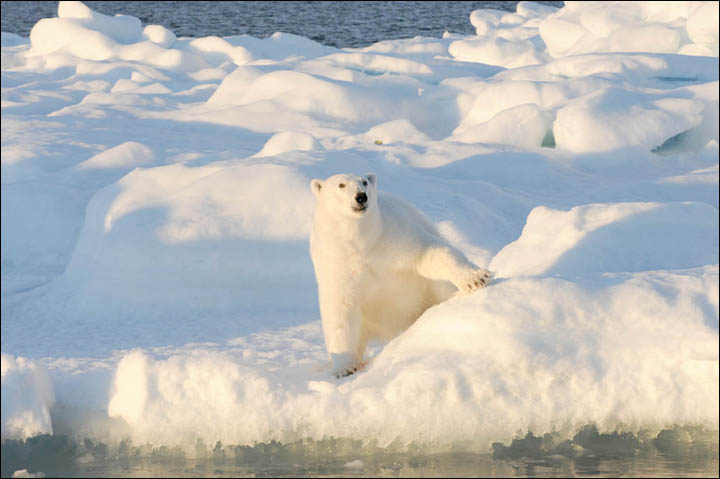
<point x="377" y="270"/>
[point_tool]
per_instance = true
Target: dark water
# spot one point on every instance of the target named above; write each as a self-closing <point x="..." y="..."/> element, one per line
<point x="337" y="24"/>
<point x="437" y="465"/>
<point x="679" y="452"/>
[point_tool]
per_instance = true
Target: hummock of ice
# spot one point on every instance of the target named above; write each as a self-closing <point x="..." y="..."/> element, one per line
<point x="156" y="281"/>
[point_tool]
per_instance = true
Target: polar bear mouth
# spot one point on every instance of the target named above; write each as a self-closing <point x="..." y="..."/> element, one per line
<point x="359" y="209"/>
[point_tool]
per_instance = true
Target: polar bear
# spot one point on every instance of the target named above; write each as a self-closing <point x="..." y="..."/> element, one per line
<point x="379" y="264"/>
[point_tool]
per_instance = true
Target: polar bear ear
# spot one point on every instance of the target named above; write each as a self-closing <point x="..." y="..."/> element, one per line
<point x="372" y="178"/>
<point x="316" y="185"/>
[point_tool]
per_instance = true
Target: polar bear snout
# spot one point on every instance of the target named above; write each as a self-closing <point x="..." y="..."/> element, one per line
<point x="362" y="202"/>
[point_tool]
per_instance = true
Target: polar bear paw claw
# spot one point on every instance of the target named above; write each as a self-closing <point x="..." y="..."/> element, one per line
<point x="478" y="279"/>
<point x="345" y="372"/>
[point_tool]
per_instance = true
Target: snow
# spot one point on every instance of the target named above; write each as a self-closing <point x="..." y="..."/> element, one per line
<point x="159" y="35"/>
<point x="614" y="122"/>
<point x="156" y="280"/>
<point x="127" y="156"/>
<point x="289" y="141"/>
<point x="586" y="27"/>
<point x="519" y="367"/>
<point x="577" y="241"/>
<point x="25" y="473"/>
<point x="356" y="464"/>
<point x="702" y="28"/>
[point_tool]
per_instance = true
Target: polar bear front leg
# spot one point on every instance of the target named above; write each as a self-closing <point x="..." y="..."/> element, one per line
<point x="341" y="323"/>
<point x="445" y="263"/>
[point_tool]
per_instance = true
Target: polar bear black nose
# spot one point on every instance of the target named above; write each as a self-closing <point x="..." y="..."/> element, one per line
<point x="361" y="198"/>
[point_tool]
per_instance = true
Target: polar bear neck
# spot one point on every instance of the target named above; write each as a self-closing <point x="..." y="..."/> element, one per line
<point x="359" y="233"/>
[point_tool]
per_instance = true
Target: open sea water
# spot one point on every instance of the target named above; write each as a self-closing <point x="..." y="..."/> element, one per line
<point x="338" y="24"/>
<point x="682" y="452"/>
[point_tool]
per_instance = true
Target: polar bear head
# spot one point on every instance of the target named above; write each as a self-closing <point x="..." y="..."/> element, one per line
<point x="347" y="195"/>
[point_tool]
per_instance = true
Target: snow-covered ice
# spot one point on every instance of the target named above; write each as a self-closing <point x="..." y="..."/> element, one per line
<point x="156" y="280"/>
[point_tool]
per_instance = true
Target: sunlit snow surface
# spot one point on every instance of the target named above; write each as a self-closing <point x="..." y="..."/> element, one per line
<point x="156" y="281"/>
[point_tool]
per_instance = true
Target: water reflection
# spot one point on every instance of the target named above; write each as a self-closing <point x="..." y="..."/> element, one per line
<point x="59" y="458"/>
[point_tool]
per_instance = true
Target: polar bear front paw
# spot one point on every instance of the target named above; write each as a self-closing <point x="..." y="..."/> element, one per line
<point x="345" y="372"/>
<point x="345" y="364"/>
<point x="477" y="279"/>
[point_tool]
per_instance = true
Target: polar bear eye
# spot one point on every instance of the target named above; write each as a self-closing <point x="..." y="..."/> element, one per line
<point x="341" y="185"/>
<point x="364" y="183"/>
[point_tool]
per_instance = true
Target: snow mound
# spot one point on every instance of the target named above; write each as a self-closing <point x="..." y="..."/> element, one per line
<point x="523" y="125"/>
<point x="496" y="51"/>
<point x="611" y="238"/>
<point x="289" y="141"/>
<point x="702" y="28"/>
<point x="587" y="27"/>
<point x="126" y="155"/>
<point x="121" y="28"/>
<point x="395" y="131"/>
<point x="158" y="35"/>
<point x="84" y="32"/>
<point x="473" y="369"/>
<point x="234" y="85"/>
<point x="255" y="237"/>
<point x="612" y="118"/>
<point x="311" y="94"/>
<point x="217" y="51"/>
